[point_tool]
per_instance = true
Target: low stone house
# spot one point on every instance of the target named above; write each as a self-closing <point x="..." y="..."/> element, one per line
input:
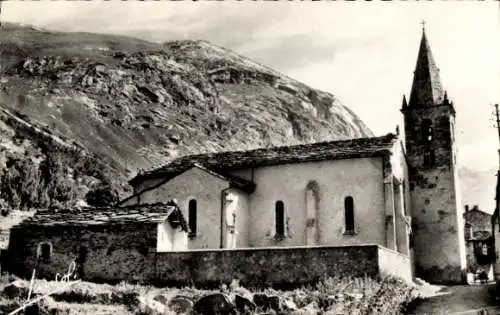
<point x="107" y="244"/>
<point x="480" y="247"/>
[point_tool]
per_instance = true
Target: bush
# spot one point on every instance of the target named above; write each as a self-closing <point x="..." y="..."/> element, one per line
<point x="104" y="194"/>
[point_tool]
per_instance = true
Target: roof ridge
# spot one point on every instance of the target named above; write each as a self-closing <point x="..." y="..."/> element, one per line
<point x="390" y="136"/>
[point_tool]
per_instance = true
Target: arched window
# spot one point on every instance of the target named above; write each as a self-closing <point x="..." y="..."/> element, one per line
<point x="192" y="216"/>
<point x="45" y="251"/>
<point x="349" y="214"/>
<point x="426" y="129"/>
<point x="280" y="218"/>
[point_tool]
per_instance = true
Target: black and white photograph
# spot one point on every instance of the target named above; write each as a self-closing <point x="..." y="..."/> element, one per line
<point x="249" y="157"/>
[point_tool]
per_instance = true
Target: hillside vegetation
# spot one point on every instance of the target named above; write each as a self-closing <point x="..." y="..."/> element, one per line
<point x="82" y="112"/>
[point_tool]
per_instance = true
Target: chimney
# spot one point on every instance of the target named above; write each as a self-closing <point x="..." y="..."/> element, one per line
<point x="466" y="208"/>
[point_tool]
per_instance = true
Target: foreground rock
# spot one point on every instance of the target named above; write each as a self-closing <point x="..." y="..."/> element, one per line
<point x="181" y="305"/>
<point x="13" y="291"/>
<point x="214" y="304"/>
<point x="244" y="305"/>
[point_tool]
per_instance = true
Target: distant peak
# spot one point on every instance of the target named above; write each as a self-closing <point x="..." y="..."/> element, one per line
<point x="426" y="89"/>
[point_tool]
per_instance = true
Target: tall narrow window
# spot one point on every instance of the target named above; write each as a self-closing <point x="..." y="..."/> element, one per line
<point x="45" y="251"/>
<point x="349" y="214"/>
<point x="429" y="158"/>
<point x="426" y="129"/>
<point x="192" y="216"/>
<point x="280" y="218"/>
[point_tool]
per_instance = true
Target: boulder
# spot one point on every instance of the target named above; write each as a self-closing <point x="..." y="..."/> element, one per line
<point x="161" y="299"/>
<point x="244" y="305"/>
<point x="287" y="304"/>
<point x="13" y="291"/>
<point x="181" y="304"/>
<point x="32" y="309"/>
<point x="214" y="304"/>
<point x="274" y="303"/>
<point x="265" y="302"/>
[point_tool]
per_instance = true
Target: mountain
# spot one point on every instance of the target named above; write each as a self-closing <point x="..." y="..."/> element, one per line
<point x="81" y="111"/>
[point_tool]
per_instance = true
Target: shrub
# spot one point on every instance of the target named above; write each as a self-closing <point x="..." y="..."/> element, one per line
<point x="104" y="194"/>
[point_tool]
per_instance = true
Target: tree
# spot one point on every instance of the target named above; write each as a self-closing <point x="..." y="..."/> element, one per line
<point x="104" y="194"/>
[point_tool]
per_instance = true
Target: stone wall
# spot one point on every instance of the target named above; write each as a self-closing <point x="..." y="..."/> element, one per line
<point x="394" y="263"/>
<point x="277" y="267"/>
<point x="113" y="252"/>
<point x="113" y="256"/>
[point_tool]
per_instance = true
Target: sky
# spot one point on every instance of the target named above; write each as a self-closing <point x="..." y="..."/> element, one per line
<point x="362" y="52"/>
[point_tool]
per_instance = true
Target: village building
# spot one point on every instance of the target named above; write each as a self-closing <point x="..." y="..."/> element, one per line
<point x="107" y="244"/>
<point x="480" y="247"/>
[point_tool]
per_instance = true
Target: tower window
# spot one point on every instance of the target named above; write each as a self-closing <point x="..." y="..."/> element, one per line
<point x="280" y="218"/>
<point x="429" y="158"/>
<point x="427" y="132"/>
<point x="349" y="215"/>
<point x="192" y="216"/>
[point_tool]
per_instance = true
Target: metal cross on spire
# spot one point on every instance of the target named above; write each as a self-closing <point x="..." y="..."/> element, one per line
<point x="423" y="24"/>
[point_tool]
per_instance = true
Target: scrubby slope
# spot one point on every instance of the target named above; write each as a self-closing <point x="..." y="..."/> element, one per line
<point x="134" y="104"/>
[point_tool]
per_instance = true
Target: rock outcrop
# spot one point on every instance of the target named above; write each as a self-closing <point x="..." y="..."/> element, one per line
<point x="136" y="105"/>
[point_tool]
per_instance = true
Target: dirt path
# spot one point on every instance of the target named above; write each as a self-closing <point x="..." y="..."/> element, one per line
<point x="463" y="299"/>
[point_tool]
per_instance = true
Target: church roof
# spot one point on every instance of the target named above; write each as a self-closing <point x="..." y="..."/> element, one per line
<point x="426" y="89"/>
<point x="222" y="161"/>
<point x="145" y="213"/>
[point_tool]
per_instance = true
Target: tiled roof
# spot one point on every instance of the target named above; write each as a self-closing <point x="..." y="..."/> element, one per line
<point x="146" y="213"/>
<point x="223" y="161"/>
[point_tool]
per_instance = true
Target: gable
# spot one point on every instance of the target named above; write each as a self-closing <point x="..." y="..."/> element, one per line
<point x="195" y="174"/>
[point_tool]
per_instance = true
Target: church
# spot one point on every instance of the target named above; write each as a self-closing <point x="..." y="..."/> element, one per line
<point x="399" y="191"/>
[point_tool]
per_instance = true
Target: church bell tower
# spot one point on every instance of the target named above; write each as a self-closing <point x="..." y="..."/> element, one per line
<point x="437" y="220"/>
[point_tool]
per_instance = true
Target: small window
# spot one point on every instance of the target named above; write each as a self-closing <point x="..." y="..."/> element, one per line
<point x="427" y="132"/>
<point x="280" y="218"/>
<point x="45" y="251"/>
<point x="429" y="158"/>
<point x="192" y="216"/>
<point x="349" y="215"/>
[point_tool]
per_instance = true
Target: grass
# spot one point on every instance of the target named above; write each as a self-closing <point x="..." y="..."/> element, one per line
<point x="330" y="296"/>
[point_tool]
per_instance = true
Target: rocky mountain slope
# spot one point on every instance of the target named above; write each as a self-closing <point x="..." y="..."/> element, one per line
<point x="97" y="108"/>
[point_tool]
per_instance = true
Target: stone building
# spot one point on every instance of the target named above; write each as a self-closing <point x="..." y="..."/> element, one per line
<point x="398" y="192"/>
<point x="111" y="244"/>
<point x="479" y="242"/>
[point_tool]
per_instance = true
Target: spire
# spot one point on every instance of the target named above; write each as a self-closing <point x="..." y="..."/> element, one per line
<point x="426" y="89"/>
<point x="405" y="104"/>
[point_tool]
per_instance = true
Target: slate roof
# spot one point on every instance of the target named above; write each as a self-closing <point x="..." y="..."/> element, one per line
<point x="221" y="162"/>
<point x="145" y="213"/>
